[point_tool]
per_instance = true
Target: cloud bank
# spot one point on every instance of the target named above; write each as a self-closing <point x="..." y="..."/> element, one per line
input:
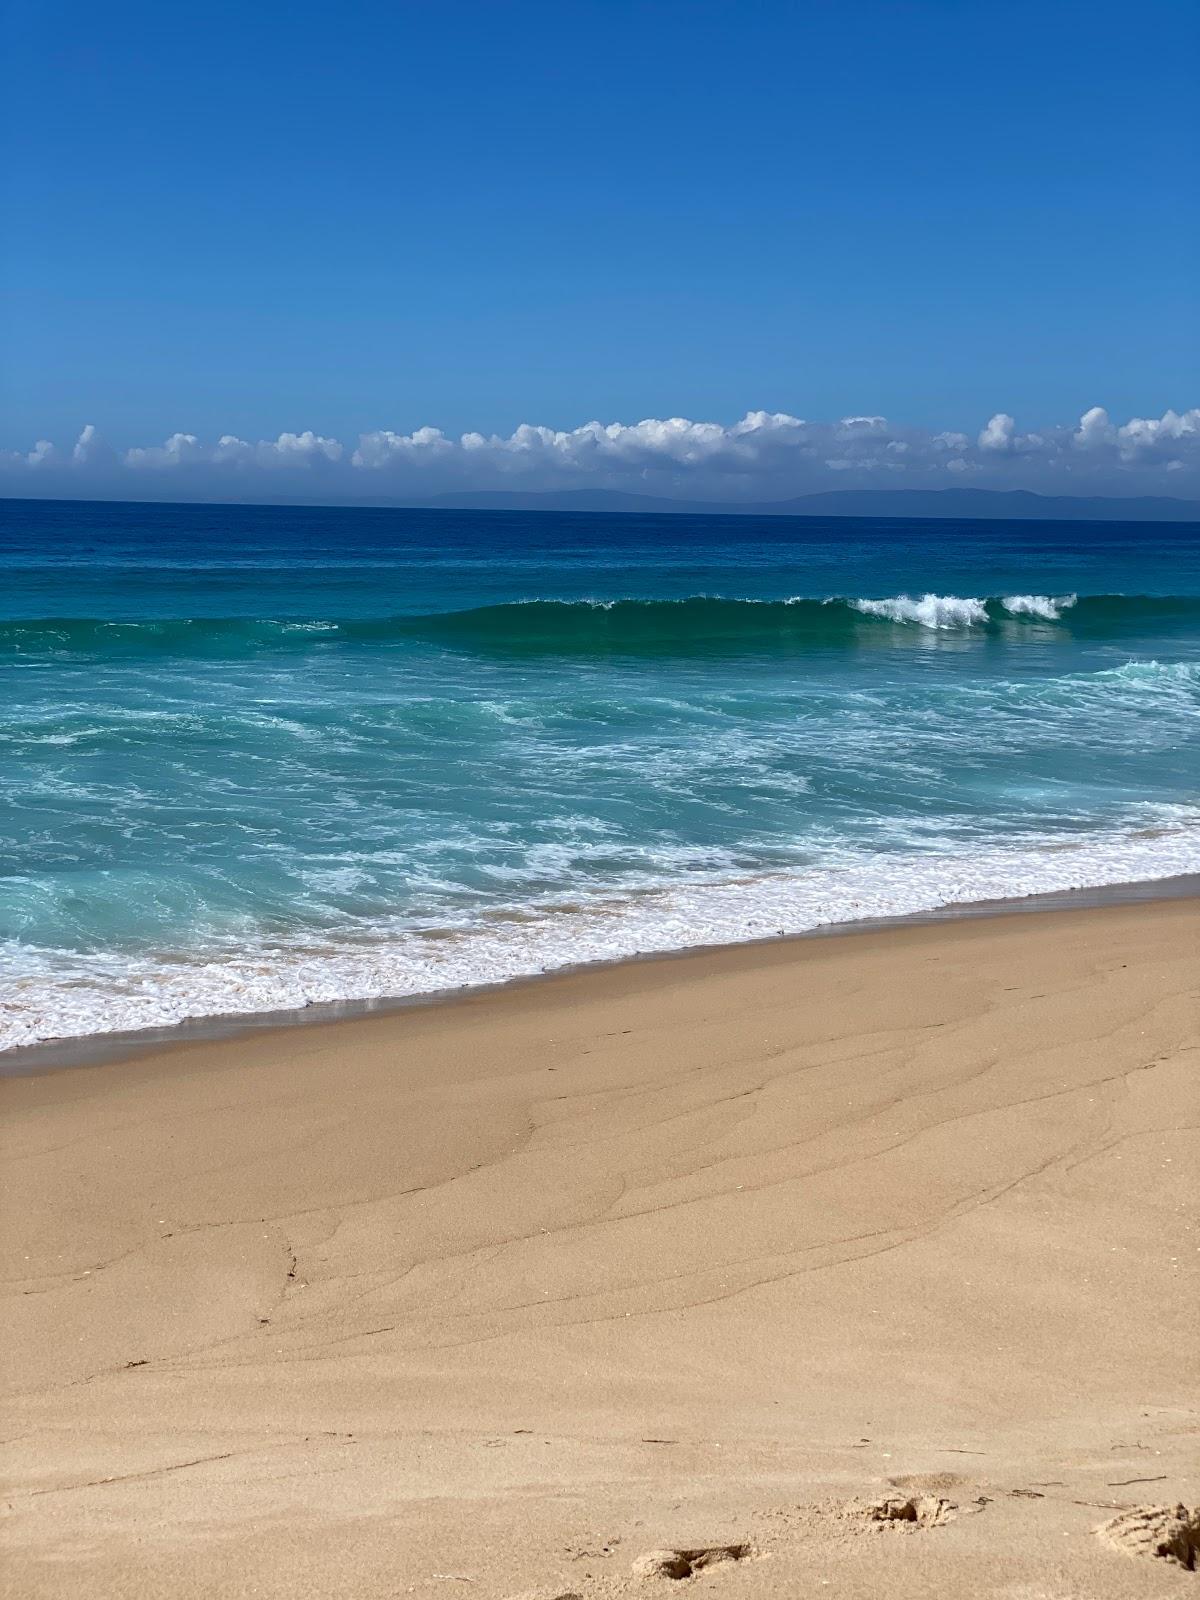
<point x="765" y="456"/>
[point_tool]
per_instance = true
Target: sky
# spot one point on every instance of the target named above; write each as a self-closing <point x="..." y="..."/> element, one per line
<point x="737" y="250"/>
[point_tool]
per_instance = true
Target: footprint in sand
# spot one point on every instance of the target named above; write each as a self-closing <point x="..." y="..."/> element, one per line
<point x="914" y="1511"/>
<point x="677" y="1564"/>
<point x="1172" y="1533"/>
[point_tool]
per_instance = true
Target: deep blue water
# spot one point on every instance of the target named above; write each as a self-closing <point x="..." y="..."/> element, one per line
<point x="251" y="757"/>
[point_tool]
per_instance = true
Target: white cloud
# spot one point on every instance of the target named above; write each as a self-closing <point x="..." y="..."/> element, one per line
<point x="1000" y="436"/>
<point x="185" y="449"/>
<point x="384" y="448"/>
<point x="851" y="426"/>
<point x="296" y="448"/>
<point x="1167" y="436"/>
<point x="230" y="448"/>
<point x="86" y="446"/>
<point x="1095" y="431"/>
<point x="765" y="455"/>
<point x="1171" y="438"/>
<point x="178" y="449"/>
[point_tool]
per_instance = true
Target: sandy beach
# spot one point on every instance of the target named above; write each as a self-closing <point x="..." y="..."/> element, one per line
<point x="705" y="1254"/>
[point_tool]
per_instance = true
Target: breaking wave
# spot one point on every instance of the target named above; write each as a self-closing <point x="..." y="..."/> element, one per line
<point x="700" y="624"/>
<point x="60" y="995"/>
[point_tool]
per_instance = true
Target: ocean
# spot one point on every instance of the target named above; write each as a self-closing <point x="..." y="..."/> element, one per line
<point x="254" y="758"/>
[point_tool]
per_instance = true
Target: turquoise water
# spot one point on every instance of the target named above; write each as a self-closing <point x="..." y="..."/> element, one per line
<point x="252" y="758"/>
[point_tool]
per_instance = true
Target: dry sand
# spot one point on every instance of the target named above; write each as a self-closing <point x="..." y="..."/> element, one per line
<point x="696" y="1255"/>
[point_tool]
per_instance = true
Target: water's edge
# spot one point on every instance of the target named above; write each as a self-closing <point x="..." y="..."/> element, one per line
<point x="111" y="1048"/>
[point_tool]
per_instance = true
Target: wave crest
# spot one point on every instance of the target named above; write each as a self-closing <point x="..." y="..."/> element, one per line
<point x="1049" y="608"/>
<point x="700" y="623"/>
<point x="930" y="611"/>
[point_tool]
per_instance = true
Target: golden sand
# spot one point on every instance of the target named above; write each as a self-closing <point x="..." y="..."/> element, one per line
<point x="861" y="1267"/>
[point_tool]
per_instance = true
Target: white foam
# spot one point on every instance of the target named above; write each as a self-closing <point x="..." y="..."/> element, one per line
<point x="1186" y="673"/>
<point x="1048" y="607"/>
<point x="57" y="994"/>
<point x="930" y="611"/>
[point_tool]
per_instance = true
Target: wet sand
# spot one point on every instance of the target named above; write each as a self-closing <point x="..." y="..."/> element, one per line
<point x="710" y="1253"/>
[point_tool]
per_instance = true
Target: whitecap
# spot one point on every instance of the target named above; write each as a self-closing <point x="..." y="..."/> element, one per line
<point x="930" y="611"/>
<point x="1049" y="607"/>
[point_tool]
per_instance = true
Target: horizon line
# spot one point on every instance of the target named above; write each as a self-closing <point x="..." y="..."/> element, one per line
<point x="456" y="501"/>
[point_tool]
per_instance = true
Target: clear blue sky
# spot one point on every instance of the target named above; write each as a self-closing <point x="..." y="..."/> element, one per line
<point x="247" y="218"/>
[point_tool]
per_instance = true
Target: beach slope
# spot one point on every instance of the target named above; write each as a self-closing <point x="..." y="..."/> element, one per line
<point x="708" y="1254"/>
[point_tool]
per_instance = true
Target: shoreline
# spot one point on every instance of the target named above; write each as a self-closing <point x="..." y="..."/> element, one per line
<point x="101" y="1049"/>
<point x="703" y="1252"/>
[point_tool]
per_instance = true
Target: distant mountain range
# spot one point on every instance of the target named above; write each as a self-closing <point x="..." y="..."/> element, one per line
<point x="965" y="503"/>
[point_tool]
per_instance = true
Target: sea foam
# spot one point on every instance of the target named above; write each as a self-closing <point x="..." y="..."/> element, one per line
<point x="930" y="611"/>
<point x="53" y="994"/>
<point x="1050" y="608"/>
